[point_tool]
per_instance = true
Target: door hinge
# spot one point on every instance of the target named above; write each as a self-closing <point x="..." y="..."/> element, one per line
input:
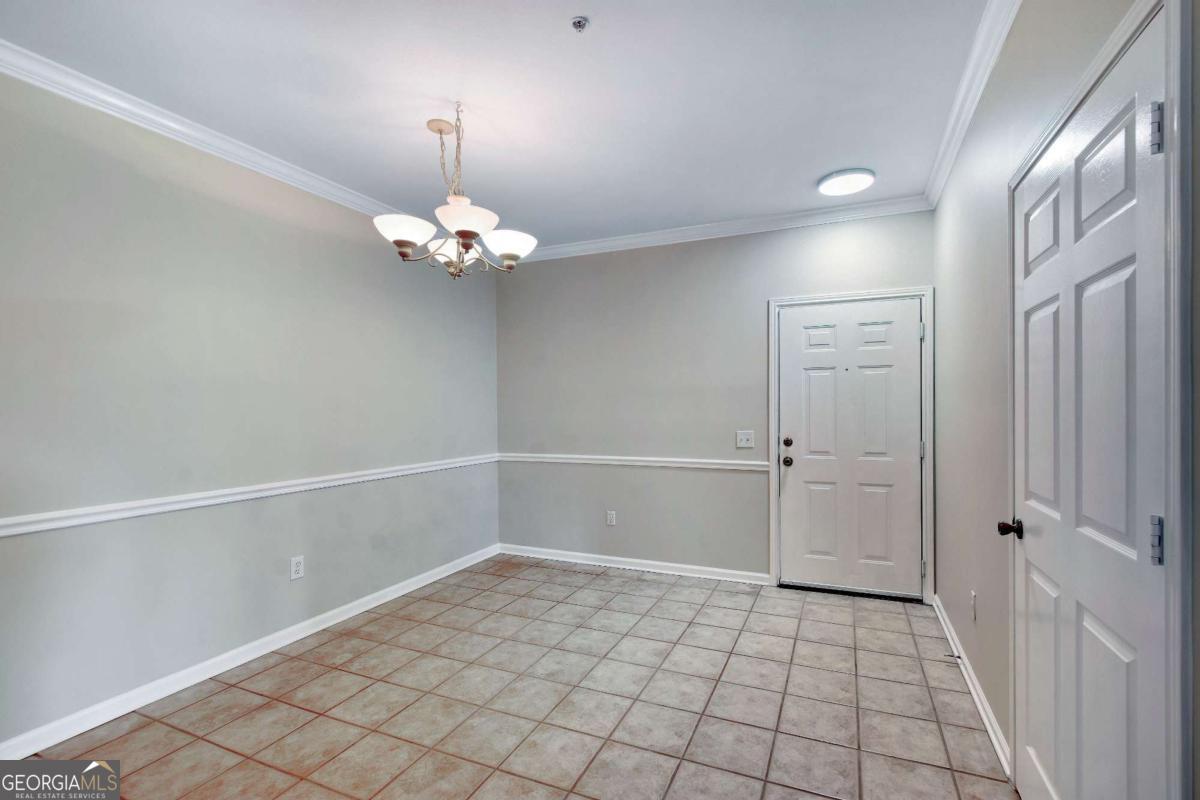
<point x="922" y="570"/>
<point x="1156" y="127"/>
<point x="922" y="329"/>
<point x="1156" y="539"/>
<point x="922" y="449"/>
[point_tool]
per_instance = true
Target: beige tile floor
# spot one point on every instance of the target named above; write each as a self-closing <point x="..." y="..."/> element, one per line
<point x="524" y="678"/>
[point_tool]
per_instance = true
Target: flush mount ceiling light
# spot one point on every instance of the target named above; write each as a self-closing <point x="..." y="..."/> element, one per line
<point x="845" y="181"/>
<point x="465" y="223"/>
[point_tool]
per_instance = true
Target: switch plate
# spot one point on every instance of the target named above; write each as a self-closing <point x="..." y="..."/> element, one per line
<point x="297" y="567"/>
<point x="610" y="518"/>
<point x="745" y="440"/>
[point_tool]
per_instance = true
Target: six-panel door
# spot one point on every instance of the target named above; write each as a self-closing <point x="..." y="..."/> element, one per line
<point x="1090" y="383"/>
<point x="850" y="400"/>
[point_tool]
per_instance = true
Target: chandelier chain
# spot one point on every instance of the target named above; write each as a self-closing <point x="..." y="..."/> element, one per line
<point x="453" y="180"/>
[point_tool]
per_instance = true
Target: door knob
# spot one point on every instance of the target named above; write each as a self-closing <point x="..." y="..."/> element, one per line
<point x="787" y="461"/>
<point x="787" y="442"/>
<point x="1016" y="526"/>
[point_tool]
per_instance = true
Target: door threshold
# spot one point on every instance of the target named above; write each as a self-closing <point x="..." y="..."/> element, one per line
<point x="851" y="592"/>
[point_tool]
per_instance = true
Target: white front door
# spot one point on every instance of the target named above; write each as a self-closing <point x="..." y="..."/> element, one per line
<point x="1090" y="444"/>
<point x="850" y="479"/>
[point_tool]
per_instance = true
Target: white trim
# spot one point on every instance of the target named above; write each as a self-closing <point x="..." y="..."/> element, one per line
<point x="667" y="567"/>
<point x="70" y="518"/>
<point x="990" y="723"/>
<point x="1180" y="411"/>
<point x="636" y="461"/>
<point x="1122" y="37"/>
<point x="993" y="29"/>
<point x="30" y="742"/>
<point x="737" y="227"/>
<point x="91" y="515"/>
<point x="925" y="295"/>
<point x="40" y="71"/>
<point x="1181" y="261"/>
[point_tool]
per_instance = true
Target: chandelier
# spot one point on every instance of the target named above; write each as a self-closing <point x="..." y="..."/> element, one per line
<point x="465" y="224"/>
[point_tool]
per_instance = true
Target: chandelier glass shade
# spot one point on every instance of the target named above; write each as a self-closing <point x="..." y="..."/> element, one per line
<point x="464" y="222"/>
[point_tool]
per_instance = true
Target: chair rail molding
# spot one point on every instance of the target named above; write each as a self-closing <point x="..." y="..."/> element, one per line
<point x="635" y="461"/>
<point x="74" y="517"/>
<point x="109" y="512"/>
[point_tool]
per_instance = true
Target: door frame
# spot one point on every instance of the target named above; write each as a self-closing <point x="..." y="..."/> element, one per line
<point x="1178" y="543"/>
<point x="776" y="304"/>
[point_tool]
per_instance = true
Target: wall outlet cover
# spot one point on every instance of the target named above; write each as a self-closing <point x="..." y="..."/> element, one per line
<point x="610" y="518"/>
<point x="297" y="567"/>
<point x="745" y="440"/>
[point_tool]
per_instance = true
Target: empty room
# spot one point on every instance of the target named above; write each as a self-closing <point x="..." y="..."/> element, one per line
<point x="604" y="400"/>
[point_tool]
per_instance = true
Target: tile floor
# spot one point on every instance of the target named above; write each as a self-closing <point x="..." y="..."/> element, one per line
<point x="524" y="678"/>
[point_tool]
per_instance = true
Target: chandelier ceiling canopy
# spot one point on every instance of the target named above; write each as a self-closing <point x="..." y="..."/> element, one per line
<point x="464" y="222"/>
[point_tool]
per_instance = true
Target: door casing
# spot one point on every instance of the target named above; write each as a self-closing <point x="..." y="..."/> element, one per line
<point x="1179" y="503"/>
<point x="925" y="295"/>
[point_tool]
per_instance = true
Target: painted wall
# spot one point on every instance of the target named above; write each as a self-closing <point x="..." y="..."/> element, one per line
<point x="172" y="323"/>
<point x="1049" y="47"/>
<point x="663" y="352"/>
<point x="1193" y="120"/>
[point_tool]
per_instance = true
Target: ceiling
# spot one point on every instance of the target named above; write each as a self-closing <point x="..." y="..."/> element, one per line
<point x="664" y="113"/>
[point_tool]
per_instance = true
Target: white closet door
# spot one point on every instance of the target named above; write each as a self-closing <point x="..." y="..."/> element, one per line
<point x="1090" y="383"/>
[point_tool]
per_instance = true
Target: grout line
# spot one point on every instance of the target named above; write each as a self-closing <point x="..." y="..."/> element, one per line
<point x="454" y="632"/>
<point x="941" y="733"/>
<point x="779" y="715"/>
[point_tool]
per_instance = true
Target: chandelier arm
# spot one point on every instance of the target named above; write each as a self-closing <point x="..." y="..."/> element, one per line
<point x="489" y="263"/>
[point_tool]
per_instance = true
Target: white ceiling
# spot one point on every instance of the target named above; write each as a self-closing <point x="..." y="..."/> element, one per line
<point x="665" y="113"/>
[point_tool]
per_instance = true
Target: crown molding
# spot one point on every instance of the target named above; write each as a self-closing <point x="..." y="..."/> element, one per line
<point x="993" y="29"/>
<point x="737" y="227"/>
<point x="52" y="76"/>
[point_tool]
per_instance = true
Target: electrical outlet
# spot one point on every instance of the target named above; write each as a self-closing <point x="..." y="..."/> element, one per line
<point x="745" y="440"/>
<point x="297" y="567"/>
<point x="610" y="518"/>
<point x="974" y="617"/>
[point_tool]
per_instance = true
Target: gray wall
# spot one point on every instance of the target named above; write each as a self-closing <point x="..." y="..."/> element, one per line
<point x="663" y="352"/>
<point x="1050" y="45"/>
<point x="1190" y="198"/>
<point x="172" y="323"/>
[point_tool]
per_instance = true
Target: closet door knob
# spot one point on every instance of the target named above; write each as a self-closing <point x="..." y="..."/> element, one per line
<point x="1016" y="526"/>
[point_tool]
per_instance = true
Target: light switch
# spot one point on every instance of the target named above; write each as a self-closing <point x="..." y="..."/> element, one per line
<point x="745" y="440"/>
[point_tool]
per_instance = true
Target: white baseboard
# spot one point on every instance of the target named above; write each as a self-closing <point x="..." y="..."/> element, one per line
<point x="30" y="742"/>
<point x="990" y="722"/>
<point x="690" y="570"/>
